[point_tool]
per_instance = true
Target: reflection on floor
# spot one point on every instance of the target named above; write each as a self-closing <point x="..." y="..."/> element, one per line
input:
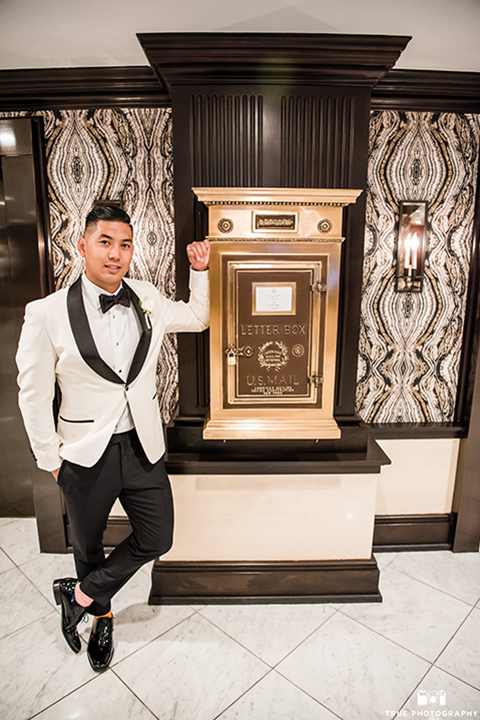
<point x="416" y="654"/>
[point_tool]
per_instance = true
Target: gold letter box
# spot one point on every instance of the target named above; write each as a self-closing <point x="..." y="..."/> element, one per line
<point x="275" y="264"/>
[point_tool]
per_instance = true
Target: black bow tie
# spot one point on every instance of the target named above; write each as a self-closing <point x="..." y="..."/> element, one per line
<point x="121" y="298"/>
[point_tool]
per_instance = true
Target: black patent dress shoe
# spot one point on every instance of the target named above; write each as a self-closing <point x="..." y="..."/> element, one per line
<point x="72" y="612"/>
<point x="100" y="645"/>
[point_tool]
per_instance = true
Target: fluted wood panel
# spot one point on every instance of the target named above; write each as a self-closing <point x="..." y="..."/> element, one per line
<point x="227" y="140"/>
<point x="316" y="141"/>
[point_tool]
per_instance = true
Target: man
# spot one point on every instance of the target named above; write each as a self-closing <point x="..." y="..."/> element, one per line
<point x="100" y="340"/>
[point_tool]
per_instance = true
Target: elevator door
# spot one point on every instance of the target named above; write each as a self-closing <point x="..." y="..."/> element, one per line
<point x="23" y="277"/>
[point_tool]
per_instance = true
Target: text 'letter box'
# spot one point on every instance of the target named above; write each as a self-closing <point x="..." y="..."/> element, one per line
<point x="274" y="273"/>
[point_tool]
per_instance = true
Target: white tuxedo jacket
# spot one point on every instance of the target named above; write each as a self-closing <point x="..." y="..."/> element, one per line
<point x="56" y="344"/>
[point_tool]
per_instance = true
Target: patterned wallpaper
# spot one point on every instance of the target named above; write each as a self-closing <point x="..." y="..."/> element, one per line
<point x="410" y="343"/>
<point x="120" y="153"/>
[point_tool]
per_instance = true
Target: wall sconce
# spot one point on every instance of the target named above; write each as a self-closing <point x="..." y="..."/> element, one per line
<point x="411" y="246"/>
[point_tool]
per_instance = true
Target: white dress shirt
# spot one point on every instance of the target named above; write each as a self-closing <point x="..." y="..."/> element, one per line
<point x="116" y="334"/>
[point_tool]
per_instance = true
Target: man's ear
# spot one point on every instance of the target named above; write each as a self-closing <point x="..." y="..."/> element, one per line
<point x="81" y="246"/>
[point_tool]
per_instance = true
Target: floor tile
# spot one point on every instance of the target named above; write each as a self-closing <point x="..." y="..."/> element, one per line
<point x="462" y="656"/>
<point x="44" y="569"/>
<point x="19" y="539"/>
<point x="135" y="622"/>
<point x="37" y="668"/>
<point x="212" y="662"/>
<point x="147" y="568"/>
<point x="192" y="671"/>
<point x="439" y="694"/>
<point x="6" y="520"/>
<point x="412" y="614"/>
<point x="96" y="700"/>
<point x="384" y="558"/>
<point x="353" y="671"/>
<point x="457" y="574"/>
<point x="20" y="603"/>
<point x="276" y="698"/>
<point x="269" y="631"/>
<point x="5" y="562"/>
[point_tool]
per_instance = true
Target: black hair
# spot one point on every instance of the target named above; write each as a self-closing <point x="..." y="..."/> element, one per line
<point x="108" y="213"/>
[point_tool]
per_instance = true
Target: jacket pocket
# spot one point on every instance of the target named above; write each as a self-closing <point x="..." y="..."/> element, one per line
<point x="75" y="421"/>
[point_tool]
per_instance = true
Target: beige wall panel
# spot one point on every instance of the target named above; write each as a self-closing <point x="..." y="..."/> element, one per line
<point x="307" y="517"/>
<point x="273" y="517"/>
<point x="420" y="479"/>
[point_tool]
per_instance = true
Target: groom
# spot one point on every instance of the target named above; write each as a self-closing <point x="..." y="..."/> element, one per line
<point x="99" y="340"/>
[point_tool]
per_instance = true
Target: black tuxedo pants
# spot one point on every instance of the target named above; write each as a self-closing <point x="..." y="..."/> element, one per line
<point x="143" y="489"/>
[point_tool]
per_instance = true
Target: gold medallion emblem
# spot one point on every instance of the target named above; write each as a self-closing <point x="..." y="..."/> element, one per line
<point x="273" y="355"/>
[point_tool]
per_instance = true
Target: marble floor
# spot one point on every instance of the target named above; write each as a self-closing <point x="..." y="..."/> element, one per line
<point x="417" y="654"/>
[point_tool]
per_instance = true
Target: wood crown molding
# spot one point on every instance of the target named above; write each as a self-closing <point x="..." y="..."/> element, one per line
<point x="428" y="90"/>
<point x="271" y="58"/>
<point x="89" y="88"/>
<point x="80" y="88"/>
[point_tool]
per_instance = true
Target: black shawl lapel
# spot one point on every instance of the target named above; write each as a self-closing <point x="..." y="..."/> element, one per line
<point x="145" y="337"/>
<point x="83" y="334"/>
<point x="86" y="344"/>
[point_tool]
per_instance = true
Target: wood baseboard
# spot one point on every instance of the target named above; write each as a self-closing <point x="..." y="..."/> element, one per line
<point x="316" y="581"/>
<point x="391" y="533"/>
<point x="118" y="528"/>
<point x="230" y="582"/>
<point x="413" y="532"/>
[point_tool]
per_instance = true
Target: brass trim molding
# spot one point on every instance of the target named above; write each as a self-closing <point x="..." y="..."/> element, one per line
<point x="319" y="239"/>
<point x="275" y="204"/>
<point x="274" y="197"/>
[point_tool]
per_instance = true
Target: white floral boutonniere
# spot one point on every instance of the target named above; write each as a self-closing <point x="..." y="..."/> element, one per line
<point x="147" y="309"/>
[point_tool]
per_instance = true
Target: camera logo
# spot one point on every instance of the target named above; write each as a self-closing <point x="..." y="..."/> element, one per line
<point x="437" y="698"/>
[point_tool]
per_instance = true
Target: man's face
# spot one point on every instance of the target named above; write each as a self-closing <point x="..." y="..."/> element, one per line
<point x="107" y="248"/>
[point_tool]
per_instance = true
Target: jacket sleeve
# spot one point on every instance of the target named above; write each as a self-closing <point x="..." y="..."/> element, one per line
<point x="36" y="361"/>
<point x="194" y="315"/>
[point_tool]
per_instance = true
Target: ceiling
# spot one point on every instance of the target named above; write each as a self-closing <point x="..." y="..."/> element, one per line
<point x="68" y="33"/>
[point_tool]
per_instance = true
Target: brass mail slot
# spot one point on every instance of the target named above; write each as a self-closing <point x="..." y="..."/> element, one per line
<point x="275" y="221"/>
<point x="274" y="268"/>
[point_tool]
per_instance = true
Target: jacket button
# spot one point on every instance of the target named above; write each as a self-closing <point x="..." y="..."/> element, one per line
<point x="127" y="387"/>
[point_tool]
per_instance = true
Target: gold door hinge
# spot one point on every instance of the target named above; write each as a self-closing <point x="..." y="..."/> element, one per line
<point x="319" y="287"/>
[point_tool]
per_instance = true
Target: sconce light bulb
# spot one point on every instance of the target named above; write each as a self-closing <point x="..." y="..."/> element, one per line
<point x="408" y="251"/>
<point x="414" y="242"/>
